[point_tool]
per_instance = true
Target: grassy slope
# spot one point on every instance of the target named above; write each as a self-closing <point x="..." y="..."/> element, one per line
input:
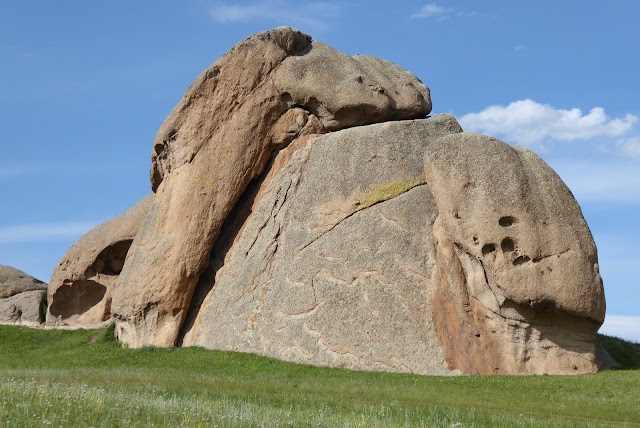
<point x="625" y="353"/>
<point x="81" y="378"/>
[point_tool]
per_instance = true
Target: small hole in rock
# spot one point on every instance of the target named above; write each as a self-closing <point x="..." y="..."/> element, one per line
<point x="507" y="245"/>
<point x="488" y="248"/>
<point x="475" y="240"/>
<point x="521" y="260"/>
<point x="547" y="306"/>
<point x="507" y="221"/>
<point x="286" y="98"/>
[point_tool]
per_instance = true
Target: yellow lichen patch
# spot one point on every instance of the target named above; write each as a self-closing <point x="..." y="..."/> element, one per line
<point x="384" y="192"/>
<point x="208" y="181"/>
<point x="377" y="88"/>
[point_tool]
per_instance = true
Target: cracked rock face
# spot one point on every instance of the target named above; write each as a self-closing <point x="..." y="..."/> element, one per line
<point x="81" y="286"/>
<point x="271" y="89"/>
<point x="518" y="287"/>
<point x="21" y="297"/>
<point x="327" y="261"/>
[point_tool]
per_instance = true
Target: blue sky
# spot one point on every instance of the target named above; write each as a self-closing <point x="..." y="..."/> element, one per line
<point x="85" y="85"/>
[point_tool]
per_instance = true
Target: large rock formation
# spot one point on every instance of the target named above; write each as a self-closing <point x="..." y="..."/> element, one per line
<point x="405" y="245"/>
<point x="270" y="89"/>
<point x="22" y="297"/>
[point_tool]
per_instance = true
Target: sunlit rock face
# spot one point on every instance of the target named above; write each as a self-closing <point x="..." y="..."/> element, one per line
<point x="271" y="89"/>
<point x="306" y="208"/>
<point x="517" y="283"/>
<point x="330" y="262"/>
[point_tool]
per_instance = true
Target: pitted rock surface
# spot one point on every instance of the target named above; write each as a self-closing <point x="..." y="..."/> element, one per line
<point x="519" y="289"/>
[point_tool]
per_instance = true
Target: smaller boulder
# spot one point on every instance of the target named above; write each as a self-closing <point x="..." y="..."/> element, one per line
<point x="13" y="281"/>
<point x="27" y="308"/>
<point x="81" y="285"/>
<point x="22" y="298"/>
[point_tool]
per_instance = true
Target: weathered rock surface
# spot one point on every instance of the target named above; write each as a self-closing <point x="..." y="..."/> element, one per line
<point x="329" y="262"/>
<point x="518" y="287"/>
<point x="22" y="297"/>
<point x="81" y="286"/>
<point x="26" y="308"/>
<point x="270" y="89"/>
<point x="13" y="281"/>
<point x="341" y="256"/>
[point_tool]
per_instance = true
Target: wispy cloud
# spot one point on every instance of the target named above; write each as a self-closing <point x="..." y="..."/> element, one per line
<point x="314" y="15"/>
<point x="21" y="170"/>
<point x="625" y="327"/>
<point x="629" y="147"/>
<point x="430" y="10"/>
<point x="37" y="232"/>
<point x="433" y="10"/>
<point x="528" y="123"/>
<point x="600" y="181"/>
<point x="519" y="48"/>
<point x="18" y="170"/>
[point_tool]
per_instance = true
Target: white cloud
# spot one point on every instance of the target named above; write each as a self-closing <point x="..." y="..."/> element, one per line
<point x="527" y="123"/>
<point x="430" y="10"/>
<point x="433" y="10"/>
<point x="629" y="147"/>
<point x="625" y="327"/>
<point x="37" y="232"/>
<point x="520" y="48"/>
<point x="474" y="13"/>
<point x="314" y="15"/>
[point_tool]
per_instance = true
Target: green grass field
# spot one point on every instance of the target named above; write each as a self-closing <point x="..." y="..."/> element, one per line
<point x="83" y="378"/>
